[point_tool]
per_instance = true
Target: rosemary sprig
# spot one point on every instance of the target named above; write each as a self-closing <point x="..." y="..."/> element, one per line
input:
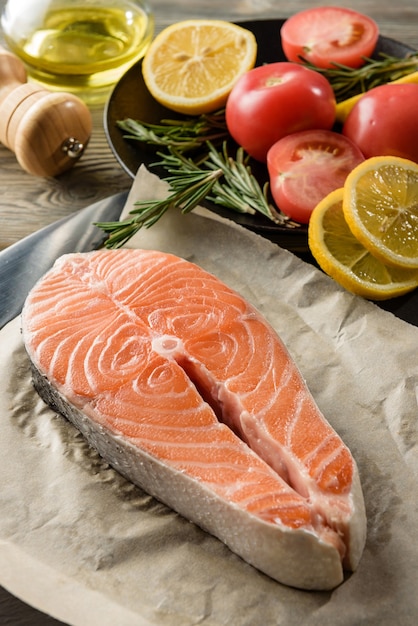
<point x="183" y="134"/>
<point x="216" y="177"/>
<point x="239" y="189"/>
<point x="187" y="190"/>
<point x="347" y="82"/>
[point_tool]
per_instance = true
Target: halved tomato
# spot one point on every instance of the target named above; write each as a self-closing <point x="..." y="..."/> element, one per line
<point x="328" y="35"/>
<point x="305" y="167"/>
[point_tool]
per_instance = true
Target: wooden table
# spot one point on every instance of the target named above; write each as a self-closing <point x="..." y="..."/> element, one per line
<point x="28" y="203"/>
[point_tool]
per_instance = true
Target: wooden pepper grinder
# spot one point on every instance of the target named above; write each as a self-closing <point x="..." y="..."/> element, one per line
<point x="47" y="131"/>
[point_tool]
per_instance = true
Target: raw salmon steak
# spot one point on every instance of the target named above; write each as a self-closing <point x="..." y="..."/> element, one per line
<point x="186" y="390"/>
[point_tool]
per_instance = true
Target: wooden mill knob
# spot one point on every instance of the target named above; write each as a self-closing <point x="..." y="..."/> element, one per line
<point x="12" y="72"/>
<point x="47" y="131"/>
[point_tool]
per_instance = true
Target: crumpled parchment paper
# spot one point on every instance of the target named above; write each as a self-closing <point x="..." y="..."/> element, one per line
<point x="83" y="544"/>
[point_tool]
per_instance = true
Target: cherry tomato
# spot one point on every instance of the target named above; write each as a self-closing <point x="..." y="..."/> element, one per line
<point x="385" y="122"/>
<point x="305" y="167"/>
<point x="327" y="35"/>
<point x="274" y="100"/>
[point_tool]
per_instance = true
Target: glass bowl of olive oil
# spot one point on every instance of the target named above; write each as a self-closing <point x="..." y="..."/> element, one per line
<point x="78" y="46"/>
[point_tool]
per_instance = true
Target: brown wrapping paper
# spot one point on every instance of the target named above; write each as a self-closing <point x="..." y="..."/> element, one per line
<point x="83" y="544"/>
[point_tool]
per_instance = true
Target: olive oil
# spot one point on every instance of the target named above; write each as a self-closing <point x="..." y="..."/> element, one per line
<point x="81" y="47"/>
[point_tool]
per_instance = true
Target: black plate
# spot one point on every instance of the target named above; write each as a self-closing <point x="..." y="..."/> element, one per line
<point x="131" y="98"/>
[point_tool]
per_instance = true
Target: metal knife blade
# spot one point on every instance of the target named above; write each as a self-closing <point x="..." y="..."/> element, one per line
<point x="24" y="262"/>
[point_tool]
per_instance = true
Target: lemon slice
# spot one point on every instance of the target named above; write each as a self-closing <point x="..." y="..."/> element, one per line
<point x="381" y="208"/>
<point x="191" y="66"/>
<point x="347" y="261"/>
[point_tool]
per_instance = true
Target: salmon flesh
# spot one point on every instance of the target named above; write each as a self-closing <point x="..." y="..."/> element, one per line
<point x="184" y="388"/>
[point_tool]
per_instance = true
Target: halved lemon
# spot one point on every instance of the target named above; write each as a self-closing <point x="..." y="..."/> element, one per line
<point x="347" y="261"/>
<point x="380" y="206"/>
<point x="191" y="66"/>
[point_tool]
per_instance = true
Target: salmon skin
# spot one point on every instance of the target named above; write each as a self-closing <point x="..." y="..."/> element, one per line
<point x="185" y="389"/>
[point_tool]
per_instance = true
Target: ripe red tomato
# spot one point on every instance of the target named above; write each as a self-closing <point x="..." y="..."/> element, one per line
<point x="385" y="121"/>
<point x="305" y="167"/>
<point x="327" y="35"/>
<point x="274" y="100"/>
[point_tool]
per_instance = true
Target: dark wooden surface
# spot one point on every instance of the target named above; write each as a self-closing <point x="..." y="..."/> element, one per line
<point x="14" y="612"/>
<point x="28" y="203"/>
